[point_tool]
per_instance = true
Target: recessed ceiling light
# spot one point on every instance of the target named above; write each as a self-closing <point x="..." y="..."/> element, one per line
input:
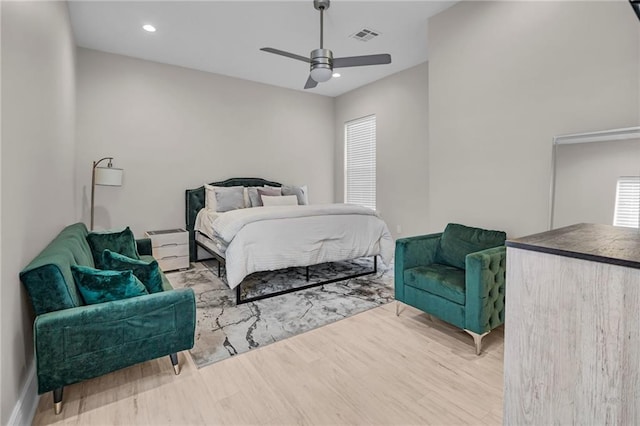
<point x="336" y="74"/>
<point x="149" y="28"/>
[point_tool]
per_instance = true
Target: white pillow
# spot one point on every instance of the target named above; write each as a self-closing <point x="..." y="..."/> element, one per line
<point x="247" y="201"/>
<point x="210" y="197"/>
<point x="210" y="201"/>
<point x="298" y="191"/>
<point x="282" y="200"/>
<point x="229" y="198"/>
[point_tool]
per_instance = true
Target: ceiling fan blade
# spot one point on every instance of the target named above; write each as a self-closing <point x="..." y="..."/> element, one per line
<point x="358" y="61"/>
<point x="311" y="83"/>
<point x="287" y="54"/>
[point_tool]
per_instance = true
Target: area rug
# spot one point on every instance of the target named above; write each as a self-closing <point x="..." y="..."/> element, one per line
<point x="224" y="330"/>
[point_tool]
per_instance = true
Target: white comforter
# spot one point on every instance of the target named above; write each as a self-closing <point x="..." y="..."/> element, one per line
<point x="271" y="238"/>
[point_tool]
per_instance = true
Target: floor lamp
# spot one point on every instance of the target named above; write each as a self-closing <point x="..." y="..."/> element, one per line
<point x="107" y="176"/>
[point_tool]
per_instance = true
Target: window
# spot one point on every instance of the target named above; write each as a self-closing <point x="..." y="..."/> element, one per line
<point x="627" y="210"/>
<point x="360" y="161"/>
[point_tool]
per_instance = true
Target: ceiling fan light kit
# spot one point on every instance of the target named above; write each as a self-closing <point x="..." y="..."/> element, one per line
<point x="321" y="60"/>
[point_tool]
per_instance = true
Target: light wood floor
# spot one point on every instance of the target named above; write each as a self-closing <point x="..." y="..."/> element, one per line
<point x="372" y="368"/>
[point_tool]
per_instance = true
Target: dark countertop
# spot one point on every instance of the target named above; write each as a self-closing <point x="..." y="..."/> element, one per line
<point x="597" y="243"/>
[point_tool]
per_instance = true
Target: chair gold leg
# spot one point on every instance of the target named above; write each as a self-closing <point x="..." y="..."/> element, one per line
<point x="477" y="339"/>
<point x="174" y="362"/>
<point x="397" y="308"/>
<point x="57" y="400"/>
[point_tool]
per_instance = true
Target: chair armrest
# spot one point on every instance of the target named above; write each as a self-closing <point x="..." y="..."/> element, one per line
<point x="144" y="246"/>
<point x="412" y="252"/>
<point x="88" y="341"/>
<point x="485" y="289"/>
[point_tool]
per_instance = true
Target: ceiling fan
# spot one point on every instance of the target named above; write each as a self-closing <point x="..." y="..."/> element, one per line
<point x="322" y="60"/>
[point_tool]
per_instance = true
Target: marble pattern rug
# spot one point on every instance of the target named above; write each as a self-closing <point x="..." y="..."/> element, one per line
<point x="224" y="330"/>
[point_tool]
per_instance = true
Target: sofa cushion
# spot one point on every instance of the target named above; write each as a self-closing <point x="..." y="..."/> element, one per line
<point x="147" y="272"/>
<point x="121" y="242"/>
<point x="458" y="241"/>
<point x="442" y="280"/>
<point x="48" y="277"/>
<point x="97" y="286"/>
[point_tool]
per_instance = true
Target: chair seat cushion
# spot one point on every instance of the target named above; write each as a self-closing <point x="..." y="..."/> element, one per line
<point x="442" y="280"/>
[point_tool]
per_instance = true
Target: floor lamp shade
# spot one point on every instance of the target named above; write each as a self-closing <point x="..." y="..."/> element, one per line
<point x="103" y="176"/>
<point x="108" y="176"/>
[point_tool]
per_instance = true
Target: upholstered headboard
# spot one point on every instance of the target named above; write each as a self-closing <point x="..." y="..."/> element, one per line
<point x="194" y="199"/>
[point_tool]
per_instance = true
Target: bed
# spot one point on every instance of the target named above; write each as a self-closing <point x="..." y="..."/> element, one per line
<point x="270" y="238"/>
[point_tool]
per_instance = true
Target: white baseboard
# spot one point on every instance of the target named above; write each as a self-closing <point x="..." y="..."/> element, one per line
<point x="25" y="408"/>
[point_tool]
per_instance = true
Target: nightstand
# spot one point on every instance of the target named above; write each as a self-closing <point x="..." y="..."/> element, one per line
<point x="170" y="247"/>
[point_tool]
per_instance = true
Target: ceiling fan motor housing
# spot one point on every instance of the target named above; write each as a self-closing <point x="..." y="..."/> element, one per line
<point x="321" y="64"/>
<point x="321" y="58"/>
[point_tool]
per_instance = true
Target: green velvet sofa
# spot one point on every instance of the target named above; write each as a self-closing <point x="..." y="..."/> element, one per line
<point x="457" y="276"/>
<point x="75" y="342"/>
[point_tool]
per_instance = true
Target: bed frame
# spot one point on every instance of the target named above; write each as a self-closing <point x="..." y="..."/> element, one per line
<point x="195" y="201"/>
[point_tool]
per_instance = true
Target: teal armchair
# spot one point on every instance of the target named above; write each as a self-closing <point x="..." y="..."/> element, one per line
<point x="457" y="276"/>
<point x="75" y="342"/>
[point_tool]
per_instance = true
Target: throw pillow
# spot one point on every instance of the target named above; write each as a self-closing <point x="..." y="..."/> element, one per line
<point x="299" y="191"/>
<point x="210" y="197"/>
<point x="282" y="200"/>
<point x="122" y="242"/>
<point x="98" y="286"/>
<point x="271" y="192"/>
<point x="458" y="241"/>
<point x="254" y="197"/>
<point x="147" y="272"/>
<point x="247" y="201"/>
<point x="231" y="198"/>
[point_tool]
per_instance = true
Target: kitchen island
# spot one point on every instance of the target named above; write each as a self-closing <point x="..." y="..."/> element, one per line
<point x="572" y="340"/>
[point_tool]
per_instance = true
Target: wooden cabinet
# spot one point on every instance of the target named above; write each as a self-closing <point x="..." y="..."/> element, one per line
<point x="170" y="247"/>
<point x="572" y="333"/>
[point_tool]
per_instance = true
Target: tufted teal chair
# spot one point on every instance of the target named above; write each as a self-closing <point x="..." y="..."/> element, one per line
<point x="457" y="275"/>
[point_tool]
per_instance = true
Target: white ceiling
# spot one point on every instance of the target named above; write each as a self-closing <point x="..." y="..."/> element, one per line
<point x="224" y="37"/>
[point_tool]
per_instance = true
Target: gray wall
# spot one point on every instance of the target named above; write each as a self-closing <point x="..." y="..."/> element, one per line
<point x="172" y="128"/>
<point x="505" y="78"/>
<point x="400" y="103"/>
<point x="38" y="159"/>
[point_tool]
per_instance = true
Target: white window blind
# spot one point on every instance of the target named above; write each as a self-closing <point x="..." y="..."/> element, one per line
<point x="627" y="211"/>
<point x="360" y="161"/>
